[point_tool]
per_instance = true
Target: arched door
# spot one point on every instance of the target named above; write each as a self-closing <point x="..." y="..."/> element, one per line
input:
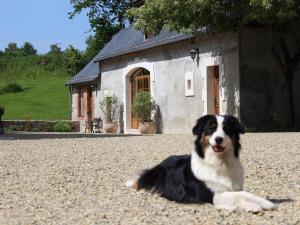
<point x="140" y="81"/>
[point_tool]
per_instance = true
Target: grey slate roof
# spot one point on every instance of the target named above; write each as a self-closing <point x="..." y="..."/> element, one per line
<point x="130" y="40"/>
<point x="126" y="41"/>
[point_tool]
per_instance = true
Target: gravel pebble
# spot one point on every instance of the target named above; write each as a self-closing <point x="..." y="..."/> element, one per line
<point x="81" y="180"/>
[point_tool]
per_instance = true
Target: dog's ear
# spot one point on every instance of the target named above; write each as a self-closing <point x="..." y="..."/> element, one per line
<point x="236" y="124"/>
<point x="198" y="128"/>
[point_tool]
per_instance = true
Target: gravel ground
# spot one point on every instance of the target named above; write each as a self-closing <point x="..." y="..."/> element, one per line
<point x="81" y="180"/>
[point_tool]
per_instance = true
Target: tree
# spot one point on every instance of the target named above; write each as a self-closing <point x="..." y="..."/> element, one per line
<point x="28" y="49"/>
<point x="2" y="61"/>
<point x="277" y="17"/>
<point x="54" y="59"/>
<point x="213" y="15"/>
<point x="12" y="49"/>
<point x="55" y="49"/>
<point x="96" y="42"/>
<point x="91" y="48"/>
<point x="105" y="17"/>
<point x="73" y="60"/>
<point x="102" y="13"/>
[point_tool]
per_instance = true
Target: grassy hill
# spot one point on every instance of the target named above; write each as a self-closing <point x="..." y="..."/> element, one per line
<point x="44" y="94"/>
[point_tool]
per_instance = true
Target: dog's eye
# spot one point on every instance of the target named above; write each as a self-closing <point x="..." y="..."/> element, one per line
<point x="210" y="129"/>
<point x="213" y="125"/>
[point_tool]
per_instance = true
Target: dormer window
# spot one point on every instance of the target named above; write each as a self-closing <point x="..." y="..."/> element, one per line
<point x="148" y="35"/>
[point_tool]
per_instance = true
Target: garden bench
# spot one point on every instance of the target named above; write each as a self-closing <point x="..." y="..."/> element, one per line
<point x="94" y="125"/>
<point x="97" y="124"/>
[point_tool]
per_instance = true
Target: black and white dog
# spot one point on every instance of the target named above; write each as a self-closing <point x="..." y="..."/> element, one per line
<point x="211" y="174"/>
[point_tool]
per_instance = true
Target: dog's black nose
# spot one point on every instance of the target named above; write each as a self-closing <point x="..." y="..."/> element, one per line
<point x="219" y="140"/>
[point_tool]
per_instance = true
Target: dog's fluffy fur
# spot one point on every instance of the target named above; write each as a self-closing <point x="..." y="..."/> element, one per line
<point x="211" y="174"/>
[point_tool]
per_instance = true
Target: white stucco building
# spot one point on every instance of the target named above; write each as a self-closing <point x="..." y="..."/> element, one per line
<point x="184" y="89"/>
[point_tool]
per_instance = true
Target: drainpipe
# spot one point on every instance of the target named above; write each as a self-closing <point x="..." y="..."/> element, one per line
<point x="70" y="102"/>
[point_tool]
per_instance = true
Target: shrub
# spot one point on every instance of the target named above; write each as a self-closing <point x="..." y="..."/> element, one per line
<point x="12" y="88"/>
<point x="62" y="127"/>
<point x="14" y="128"/>
<point x="142" y="106"/>
<point x="2" y="110"/>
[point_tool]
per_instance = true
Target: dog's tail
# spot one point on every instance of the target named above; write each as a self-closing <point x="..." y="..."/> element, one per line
<point x="150" y="180"/>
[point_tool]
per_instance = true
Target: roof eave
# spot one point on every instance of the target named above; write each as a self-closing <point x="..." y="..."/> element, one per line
<point x="82" y="80"/>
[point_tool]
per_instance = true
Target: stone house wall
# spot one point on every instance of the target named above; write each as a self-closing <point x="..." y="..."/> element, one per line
<point x="168" y="66"/>
<point x="262" y="105"/>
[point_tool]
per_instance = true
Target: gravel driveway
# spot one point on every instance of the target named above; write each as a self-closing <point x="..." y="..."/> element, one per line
<point x="73" y="180"/>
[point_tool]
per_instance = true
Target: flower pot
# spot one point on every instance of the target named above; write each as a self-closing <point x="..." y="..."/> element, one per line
<point x="110" y="127"/>
<point x="147" y="127"/>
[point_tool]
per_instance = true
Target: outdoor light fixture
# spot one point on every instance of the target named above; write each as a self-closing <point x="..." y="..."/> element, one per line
<point x="94" y="88"/>
<point x="194" y="52"/>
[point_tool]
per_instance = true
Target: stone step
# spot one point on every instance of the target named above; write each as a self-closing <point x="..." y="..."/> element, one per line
<point x="132" y="131"/>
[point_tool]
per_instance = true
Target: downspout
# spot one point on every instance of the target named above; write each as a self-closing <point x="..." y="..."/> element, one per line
<point x="240" y="33"/>
<point x="70" y="102"/>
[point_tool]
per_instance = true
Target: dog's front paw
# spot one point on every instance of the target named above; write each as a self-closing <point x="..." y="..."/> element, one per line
<point x="249" y="206"/>
<point x="242" y="201"/>
<point x="262" y="202"/>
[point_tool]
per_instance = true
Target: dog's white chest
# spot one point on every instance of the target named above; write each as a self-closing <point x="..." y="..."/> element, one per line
<point x="219" y="176"/>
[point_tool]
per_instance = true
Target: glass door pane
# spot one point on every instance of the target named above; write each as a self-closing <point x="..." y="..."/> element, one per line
<point x="139" y="82"/>
<point x="146" y="84"/>
<point x="140" y="85"/>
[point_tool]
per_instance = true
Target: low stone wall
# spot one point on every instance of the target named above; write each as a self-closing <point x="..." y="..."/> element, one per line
<point x="37" y="125"/>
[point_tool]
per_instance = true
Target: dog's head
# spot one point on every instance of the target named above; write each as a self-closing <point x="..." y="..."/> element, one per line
<point x="218" y="134"/>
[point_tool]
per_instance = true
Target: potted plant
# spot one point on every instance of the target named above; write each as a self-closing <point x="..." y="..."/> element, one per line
<point x="109" y="106"/>
<point x="142" y="107"/>
<point x="2" y="110"/>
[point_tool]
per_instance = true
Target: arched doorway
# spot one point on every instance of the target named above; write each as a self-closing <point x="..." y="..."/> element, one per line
<point x="139" y="81"/>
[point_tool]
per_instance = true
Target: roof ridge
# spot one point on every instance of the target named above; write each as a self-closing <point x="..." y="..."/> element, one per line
<point x="142" y="44"/>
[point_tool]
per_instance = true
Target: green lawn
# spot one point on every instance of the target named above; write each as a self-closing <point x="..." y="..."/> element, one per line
<point x="43" y="98"/>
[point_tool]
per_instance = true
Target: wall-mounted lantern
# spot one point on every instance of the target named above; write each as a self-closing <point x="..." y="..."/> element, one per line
<point x="94" y="88"/>
<point x="194" y="52"/>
